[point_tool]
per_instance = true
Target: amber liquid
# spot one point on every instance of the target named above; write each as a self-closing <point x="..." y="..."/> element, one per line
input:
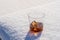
<point x="36" y="27"/>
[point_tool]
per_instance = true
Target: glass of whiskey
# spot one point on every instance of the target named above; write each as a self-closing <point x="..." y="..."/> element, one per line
<point x="35" y="22"/>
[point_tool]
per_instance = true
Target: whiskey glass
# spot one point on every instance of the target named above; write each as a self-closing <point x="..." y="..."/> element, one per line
<point x="36" y="20"/>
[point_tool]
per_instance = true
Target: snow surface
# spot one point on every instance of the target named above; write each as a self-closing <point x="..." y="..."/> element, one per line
<point x="9" y="6"/>
<point x="16" y="24"/>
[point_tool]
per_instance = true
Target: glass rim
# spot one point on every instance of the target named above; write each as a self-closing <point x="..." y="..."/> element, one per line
<point x="30" y="16"/>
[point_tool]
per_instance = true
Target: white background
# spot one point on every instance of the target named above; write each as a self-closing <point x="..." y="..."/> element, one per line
<point x="9" y="6"/>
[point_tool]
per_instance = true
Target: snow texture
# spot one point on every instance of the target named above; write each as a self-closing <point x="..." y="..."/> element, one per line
<point x="16" y="24"/>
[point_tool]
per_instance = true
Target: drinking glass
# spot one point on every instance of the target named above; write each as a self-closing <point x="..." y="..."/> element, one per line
<point x="36" y="20"/>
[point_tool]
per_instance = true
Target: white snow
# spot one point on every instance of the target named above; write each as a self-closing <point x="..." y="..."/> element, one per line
<point x="9" y="6"/>
<point x="18" y="25"/>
